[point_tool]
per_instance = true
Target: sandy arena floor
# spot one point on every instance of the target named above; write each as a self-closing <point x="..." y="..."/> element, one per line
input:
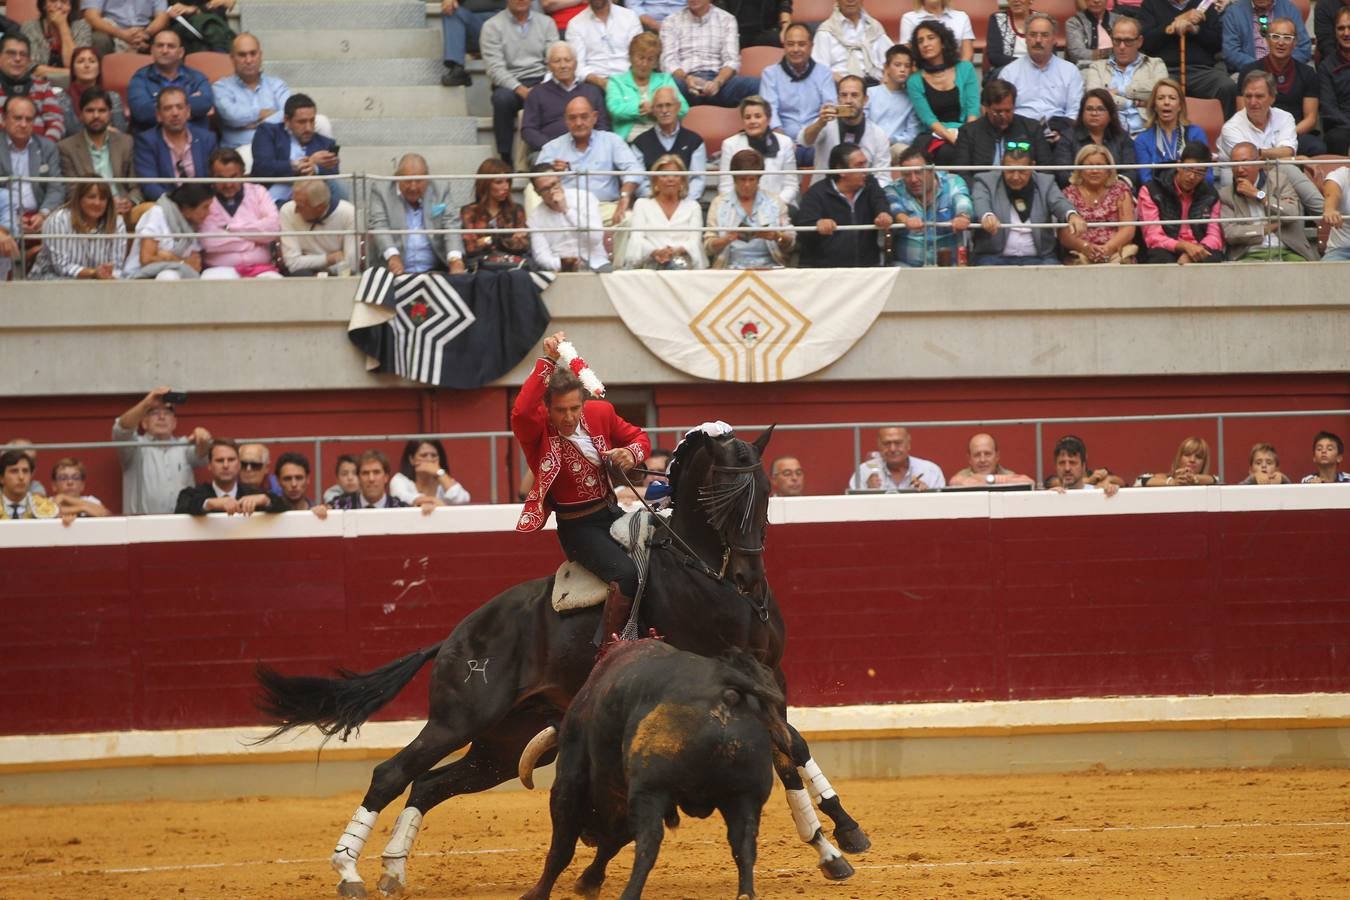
<point x="1212" y="834"/>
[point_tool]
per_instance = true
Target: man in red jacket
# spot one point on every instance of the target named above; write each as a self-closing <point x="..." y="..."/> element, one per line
<point x="567" y="439"/>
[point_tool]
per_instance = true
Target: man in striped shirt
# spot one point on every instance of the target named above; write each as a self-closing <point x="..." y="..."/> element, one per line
<point x="17" y="79"/>
<point x="701" y="49"/>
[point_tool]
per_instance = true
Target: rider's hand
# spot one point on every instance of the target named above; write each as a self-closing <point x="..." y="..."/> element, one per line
<point x="551" y="344"/>
<point x="622" y="457"/>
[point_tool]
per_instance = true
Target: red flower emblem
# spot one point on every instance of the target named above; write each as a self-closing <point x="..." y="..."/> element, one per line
<point x="418" y="312"/>
<point x="749" y="332"/>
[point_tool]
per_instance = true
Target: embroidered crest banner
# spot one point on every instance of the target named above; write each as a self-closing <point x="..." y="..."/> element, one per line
<point x="454" y="331"/>
<point x="750" y="326"/>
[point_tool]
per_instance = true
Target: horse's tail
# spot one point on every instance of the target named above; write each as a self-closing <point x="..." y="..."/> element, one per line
<point x="333" y="705"/>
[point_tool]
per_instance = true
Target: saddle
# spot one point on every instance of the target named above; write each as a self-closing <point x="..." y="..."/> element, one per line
<point x="576" y="587"/>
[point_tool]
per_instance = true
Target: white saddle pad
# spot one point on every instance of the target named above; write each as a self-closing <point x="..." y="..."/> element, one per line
<point x="575" y="587"/>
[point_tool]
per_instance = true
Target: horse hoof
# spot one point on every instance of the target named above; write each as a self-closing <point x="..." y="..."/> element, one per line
<point x="352" y="889"/>
<point x="854" y="840"/>
<point x="390" y="886"/>
<point x="836" y="869"/>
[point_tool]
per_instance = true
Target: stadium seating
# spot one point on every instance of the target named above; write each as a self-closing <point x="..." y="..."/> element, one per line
<point x="714" y="124"/>
<point x="118" y="69"/>
<point x="213" y="65"/>
<point x="888" y="13"/>
<point x="755" y="60"/>
<point x="1208" y="114"/>
<point x="812" y="10"/>
<point x="21" y="10"/>
<point x="979" y="12"/>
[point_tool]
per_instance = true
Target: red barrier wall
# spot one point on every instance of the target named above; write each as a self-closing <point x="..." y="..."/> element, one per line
<point x="165" y="635"/>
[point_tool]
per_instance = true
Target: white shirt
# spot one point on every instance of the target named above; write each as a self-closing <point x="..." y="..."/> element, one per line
<point x="834" y="56"/>
<point x="153" y="224"/>
<point x="678" y="231"/>
<point x="1340" y="237"/>
<point x="955" y="20"/>
<point x="892" y="481"/>
<point x="1020" y="241"/>
<point x="875" y="143"/>
<point x="584" y="240"/>
<point x="582" y="441"/>
<point x="602" y="47"/>
<point x="1279" y="132"/>
<point x="405" y="489"/>
<point x="785" y="186"/>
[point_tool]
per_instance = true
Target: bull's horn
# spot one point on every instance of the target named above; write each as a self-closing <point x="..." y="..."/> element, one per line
<point x="540" y="744"/>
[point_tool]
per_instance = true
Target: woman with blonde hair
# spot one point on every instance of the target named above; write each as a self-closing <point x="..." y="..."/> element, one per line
<point x="65" y="254"/>
<point x="1191" y="466"/>
<point x="1167" y="130"/>
<point x="941" y="11"/>
<point x="675" y="238"/>
<point x="1099" y="196"/>
<point x="628" y="95"/>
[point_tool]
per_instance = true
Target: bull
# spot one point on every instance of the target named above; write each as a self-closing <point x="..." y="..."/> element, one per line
<point x="653" y="731"/>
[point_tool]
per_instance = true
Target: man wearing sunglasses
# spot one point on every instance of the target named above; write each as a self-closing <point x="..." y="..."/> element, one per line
<point x="1296" y="85"/>
<point x="1127" y="73"/>
<point x="254" y="465"/>
<point x="1247" y="25"/>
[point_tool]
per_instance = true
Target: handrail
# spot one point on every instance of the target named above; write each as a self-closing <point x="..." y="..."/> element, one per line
<point x="676" y="431"/>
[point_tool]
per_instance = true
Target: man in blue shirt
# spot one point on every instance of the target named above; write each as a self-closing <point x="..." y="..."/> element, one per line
<point x="583" y="149"/>
<point x="933" y="208"/>
<point x="248" y="98"/>
<point x="411" y="205"/>
<point x="167" y="71"/>
<point x="1049" y="89"/>
<point x="796" y="89"/>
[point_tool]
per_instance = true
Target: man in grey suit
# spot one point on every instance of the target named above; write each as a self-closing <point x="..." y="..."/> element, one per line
<point x="101" y="151"/>
<point x="413" y="204"/>
<point x="1007" y="201"/>
<point x="27" y="154"/>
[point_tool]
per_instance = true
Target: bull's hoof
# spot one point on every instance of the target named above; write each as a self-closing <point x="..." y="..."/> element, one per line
<point x="352" y="889"/>
<point x="836" y="869"/>
<point x="588" y="887"/>
<point x="390" y="886"/>
<point x="853" y="840"/>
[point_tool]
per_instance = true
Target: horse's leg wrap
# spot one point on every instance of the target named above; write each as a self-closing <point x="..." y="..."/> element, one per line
<point x="832" y="862"/>
<point x="815" y="781"/>
<point x="353" y="841"/>
<point x="399" y="848"/>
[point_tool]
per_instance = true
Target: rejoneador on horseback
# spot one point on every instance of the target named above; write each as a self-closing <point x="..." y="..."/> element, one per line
<point x="567" y="440"/>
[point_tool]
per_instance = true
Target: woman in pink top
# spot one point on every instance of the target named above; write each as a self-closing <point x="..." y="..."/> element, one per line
<point x="1184" y="197"/>
<point x="250" y="216"/>
<point x="1099" y="196"/>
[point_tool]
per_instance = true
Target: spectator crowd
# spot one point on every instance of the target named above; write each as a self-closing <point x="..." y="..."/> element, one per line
<point x="159" y="462"/>
<point x="599" y="88"/>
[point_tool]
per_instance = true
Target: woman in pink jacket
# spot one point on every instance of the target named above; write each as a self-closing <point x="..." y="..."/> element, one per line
<point x="249" y="214"/>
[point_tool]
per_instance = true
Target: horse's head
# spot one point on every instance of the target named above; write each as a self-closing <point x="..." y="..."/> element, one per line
<point x="725" y="477"/>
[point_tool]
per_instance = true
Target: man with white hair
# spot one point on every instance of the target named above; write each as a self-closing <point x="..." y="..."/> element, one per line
<point x="546" y="104"/>
<point x="1272" y="131"/>
<point x="328" y="244"/>
<point x="413" y="205"/>
<point x="852" y="42"/>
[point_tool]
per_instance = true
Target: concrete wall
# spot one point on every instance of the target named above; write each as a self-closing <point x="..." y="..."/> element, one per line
<point x="68" y="338"/>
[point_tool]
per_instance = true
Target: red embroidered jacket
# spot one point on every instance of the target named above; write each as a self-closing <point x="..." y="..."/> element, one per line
<point x="557" y="474"/>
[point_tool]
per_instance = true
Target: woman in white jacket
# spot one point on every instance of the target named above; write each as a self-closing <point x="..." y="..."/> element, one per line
<point x="676" y="241"/>
<point x="780" y="156"/>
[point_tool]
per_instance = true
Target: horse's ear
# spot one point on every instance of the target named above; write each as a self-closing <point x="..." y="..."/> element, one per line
<point x="763" y="440"/>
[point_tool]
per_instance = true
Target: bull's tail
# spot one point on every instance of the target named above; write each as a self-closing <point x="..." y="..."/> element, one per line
<point x="752" y="678"/>
<point x="335" y="706"/>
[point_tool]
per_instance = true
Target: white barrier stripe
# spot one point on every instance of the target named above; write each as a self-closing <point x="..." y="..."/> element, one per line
<point x="1201" y="826"/>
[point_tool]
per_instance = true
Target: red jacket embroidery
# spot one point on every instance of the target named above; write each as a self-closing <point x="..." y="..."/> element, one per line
<point x="543" y="447"/>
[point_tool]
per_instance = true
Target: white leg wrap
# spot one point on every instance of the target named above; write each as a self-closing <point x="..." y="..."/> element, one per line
<point x="350" y="845"/>
<point x="803" y="814"/>
<point x="816" y="782"/>
<point x="400" y="844"/>
<point x="399" y="848"/>
<point x="823" y="846"/>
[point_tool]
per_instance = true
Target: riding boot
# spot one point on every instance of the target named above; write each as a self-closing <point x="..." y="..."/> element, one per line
<point x="615" y="615"/>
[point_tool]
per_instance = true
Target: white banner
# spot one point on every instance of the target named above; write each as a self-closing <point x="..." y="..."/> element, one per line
<point x="772" y="325"/>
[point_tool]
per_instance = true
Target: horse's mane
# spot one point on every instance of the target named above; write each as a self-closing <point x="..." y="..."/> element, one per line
<point x="688" y="448"/>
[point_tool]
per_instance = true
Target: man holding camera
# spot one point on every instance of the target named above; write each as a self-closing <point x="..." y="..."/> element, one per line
<point x="154" y="472"/>
<point x="845" y="122"/>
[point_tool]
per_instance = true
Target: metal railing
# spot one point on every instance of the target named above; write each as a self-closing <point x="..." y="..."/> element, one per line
<point x="500" y="443"/>
<point x="361" y="185"/>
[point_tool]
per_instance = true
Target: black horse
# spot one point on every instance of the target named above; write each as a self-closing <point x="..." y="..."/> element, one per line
<point x="511" y="668"/>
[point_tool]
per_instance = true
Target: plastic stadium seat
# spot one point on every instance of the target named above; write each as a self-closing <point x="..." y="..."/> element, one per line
<point x="1062" y="10"/>
<point x="888" y="13"/>
<point x="1208" y="114"/>
<point x="979" y="12"/>
<point x="755" y="60"/>
<point x="714" y="124"/>
<point x="812" y="10"/>
<point x="118" y="69"/>
<point x="214" y="66"/>
<point x="21" y="10"/>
